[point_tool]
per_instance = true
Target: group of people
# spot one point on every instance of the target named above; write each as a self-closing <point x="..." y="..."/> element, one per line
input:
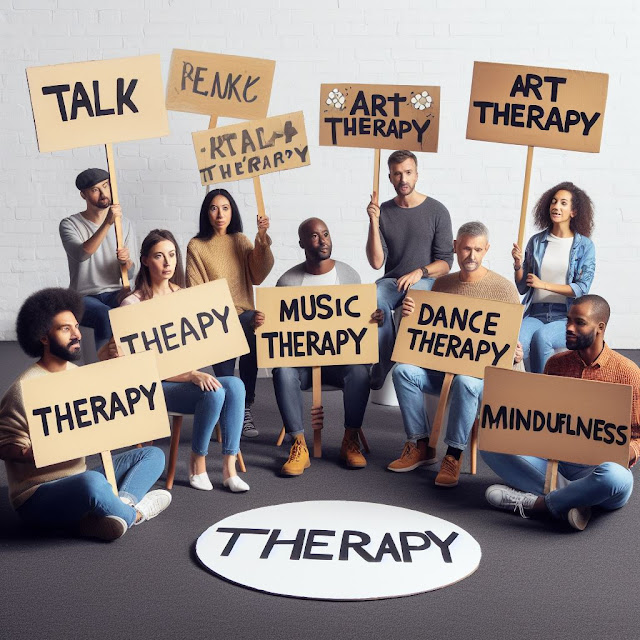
<point x="411" y="236"/>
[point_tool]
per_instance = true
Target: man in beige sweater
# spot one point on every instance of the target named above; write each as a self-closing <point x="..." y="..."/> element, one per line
<point x="473" y="280"/>
<point x="66" y="495"/>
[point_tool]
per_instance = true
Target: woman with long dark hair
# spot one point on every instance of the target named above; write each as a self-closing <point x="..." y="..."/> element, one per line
<point x="221" y="250"/>
<point x="559" y="264"/>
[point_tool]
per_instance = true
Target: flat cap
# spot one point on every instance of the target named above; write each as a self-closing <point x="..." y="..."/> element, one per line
<point x="89" y="177"/>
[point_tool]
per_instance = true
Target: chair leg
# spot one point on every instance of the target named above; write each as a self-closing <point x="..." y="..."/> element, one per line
<point x="280" y="437"/>
<point x="218" y="432"/>
<point x="473" y="460"/>
<point x="241" y="466"/>
<point x="365" y="444"/>
<point x="173" y="450"/>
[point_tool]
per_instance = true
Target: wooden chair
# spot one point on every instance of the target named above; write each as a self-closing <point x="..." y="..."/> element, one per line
<point x="176" y="426"/>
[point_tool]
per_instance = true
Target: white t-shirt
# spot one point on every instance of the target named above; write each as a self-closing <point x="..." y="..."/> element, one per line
<point x="555" y="265"/>
<point x="331" y="277"/>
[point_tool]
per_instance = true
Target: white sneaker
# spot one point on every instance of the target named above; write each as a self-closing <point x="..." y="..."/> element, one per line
<point x="248" y="428"/>
<point x="579" y="517"/>
<point x="154" y="503"/>
<point x="201" y="481"/>
<point x="236" y="484"/>
<point x="502" y="497"/>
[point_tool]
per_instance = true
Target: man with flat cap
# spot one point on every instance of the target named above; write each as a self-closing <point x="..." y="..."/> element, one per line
<point x="92" y="253"/>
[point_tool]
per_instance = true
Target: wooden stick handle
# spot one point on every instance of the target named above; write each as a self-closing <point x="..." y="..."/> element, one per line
<point x="257" y="187"/>
<point x="525" y="196"/>
<point x="551" y="478"/>
<point x="107" y="463"/>
<point x="213" y="121"/>
<point x="442" y="405"/>
<point x="316" y="385"/>
<point x="113" y="181"/>
<point x="376" y="173"/>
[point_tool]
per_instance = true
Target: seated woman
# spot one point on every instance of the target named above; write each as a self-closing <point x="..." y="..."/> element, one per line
<point x="221" y="250"/>
<point x="206" y="397"/>
<point x="559" y="265"/>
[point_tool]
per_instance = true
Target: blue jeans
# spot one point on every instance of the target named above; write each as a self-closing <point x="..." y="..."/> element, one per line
<point x="96" y="314"/>
<point x="608" y="485"/>
<point x="289" y="382"/>
<point x="207" y="407"/>
<point x="411" y="382"/>
<point x="248" y="362"/>
<point x="543" y="331"/>
<point x="390" y="298"/>
<point x="64" y="502"/>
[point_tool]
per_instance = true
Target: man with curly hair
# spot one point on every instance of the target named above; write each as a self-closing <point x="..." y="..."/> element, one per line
<point x="66" y="495"/>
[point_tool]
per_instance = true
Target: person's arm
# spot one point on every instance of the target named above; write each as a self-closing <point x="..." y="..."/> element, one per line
<point x="205" y="381"/>
<point x="259" y="258"/>
<point x="195" y="272"/>
<point x="585" y="270"/>
<point x="522" y="266"/>
<point x="131" y="254"/>
<point x="374" y="248"/>
<point x="16" y="453"/>
<point x="93" y="243"/>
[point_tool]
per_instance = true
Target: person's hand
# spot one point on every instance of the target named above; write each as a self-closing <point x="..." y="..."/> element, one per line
<point x="123" y="255"/>
<point x="317" y="417"/>
<point x="378" y="317"/>
<point x="408" y="306"/>
<point x="519" y="353"/>
<point x="516" y="254"/>
<point x="263" y="225"/>
<point x="205" y="381"/>
<point x="258" y="319"/>
<point x="109" y="350"/>
<point x="373" y="209"/>
<point x="409" y="279"/>
<point x="534" y="282"/>
<point x="115" y="211"/>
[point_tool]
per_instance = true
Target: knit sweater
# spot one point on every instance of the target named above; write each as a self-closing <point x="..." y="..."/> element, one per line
<point x="24" y="477"/>
<point x="230" y="256"/>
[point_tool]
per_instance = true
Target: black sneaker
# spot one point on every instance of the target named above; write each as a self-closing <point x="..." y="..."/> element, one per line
<point x="248" y="428"/>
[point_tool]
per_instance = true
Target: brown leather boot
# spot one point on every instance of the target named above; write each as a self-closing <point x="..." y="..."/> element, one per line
<point x="298" y="458"/>
<point x="350" y="450"/>
<point x="413" y="456"/>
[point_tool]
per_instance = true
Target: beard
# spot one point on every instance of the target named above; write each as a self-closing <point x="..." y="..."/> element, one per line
<point x="65" y="353"/>
<point x="578" y="343"/>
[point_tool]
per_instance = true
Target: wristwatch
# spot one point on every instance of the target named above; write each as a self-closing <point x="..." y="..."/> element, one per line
<point x="425" y="272"/>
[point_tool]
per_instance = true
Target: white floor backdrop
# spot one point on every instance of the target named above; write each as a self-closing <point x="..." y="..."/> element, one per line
<point x="433" y="42"/>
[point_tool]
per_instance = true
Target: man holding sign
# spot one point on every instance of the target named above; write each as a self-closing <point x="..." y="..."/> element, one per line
<point x="473" y="280"/>
<point x="66" y="494"/>
<point x="411" y="236"/>
<point x="607" y="485"/>
<point x="92" y="253"/>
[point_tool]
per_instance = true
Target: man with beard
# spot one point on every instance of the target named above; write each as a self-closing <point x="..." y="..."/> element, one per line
<point x="473" y="280"/>
<point x="92" y="253"/>
<point x="607" y="485"/>
<point x="319" y="269"/>
<point x="411" y="236"/>
<point x="66" y="495"/>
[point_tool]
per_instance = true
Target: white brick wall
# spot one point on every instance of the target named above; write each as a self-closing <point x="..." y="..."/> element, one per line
<point x="416" y="41"/>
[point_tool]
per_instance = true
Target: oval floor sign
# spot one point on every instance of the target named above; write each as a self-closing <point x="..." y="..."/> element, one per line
<point x="338" y="550"/>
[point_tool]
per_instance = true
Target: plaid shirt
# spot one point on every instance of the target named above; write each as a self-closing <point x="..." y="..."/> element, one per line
<point x="609" y="366"/>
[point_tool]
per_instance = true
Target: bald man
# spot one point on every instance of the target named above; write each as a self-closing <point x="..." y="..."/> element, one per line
<point x="320" y="269"/>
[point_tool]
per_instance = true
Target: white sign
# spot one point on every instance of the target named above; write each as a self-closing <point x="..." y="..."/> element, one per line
<point x="341" y="550"/>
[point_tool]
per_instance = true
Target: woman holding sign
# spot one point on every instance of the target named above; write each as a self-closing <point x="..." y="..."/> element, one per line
<point x="206" y="397"/>
<point x="559" y="265"/>
<point x="221" y="250"/>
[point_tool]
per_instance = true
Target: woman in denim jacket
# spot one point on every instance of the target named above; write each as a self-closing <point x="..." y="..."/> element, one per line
<point x="558" y="266"/>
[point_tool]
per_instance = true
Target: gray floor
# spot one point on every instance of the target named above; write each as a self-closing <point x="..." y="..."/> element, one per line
<point x="534" y="580"/>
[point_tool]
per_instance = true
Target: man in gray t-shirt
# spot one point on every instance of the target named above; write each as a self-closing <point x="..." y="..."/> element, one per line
<point x="411" y="236"/>
<point x="92" y="253"/>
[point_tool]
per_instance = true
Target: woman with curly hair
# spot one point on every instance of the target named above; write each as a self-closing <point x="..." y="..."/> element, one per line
<point x="559" y="264"/>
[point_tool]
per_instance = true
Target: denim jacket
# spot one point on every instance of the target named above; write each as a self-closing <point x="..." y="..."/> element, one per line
<point x="582" y="265"/>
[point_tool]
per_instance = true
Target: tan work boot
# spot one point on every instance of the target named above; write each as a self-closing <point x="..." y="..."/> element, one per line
<point x="350" y="450"/>
<point x="414" y="456"/>
<point x="298" y="458"/>
<point x="449" y="472"/>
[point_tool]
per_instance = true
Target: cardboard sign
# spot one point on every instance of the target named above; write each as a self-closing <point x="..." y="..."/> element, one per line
<point x="458" y="334"/>
<point x="537" y="106"/>
<point x="222" y="85"/>
<point x="95" y="408"/>
<point x="87" y="103"/>
<point x="380" y="116"/>
<point x="317" y="326"/>
<point x="189" y="329"/>
<point x="569" y="419"/>
<point x="250" y="149"/>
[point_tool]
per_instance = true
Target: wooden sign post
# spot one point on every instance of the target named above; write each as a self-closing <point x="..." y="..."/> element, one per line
<point x="94" y="409"/>
<point x="536" y="107"/>
<point x="99" y="102"/>
<point x="379" y="117"/>
<point x="457" y="335"/>
<point x="556" y="418"/>
<point x="221" y="85"/>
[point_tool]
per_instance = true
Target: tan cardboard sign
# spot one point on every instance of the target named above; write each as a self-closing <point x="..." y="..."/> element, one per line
<point x="458" y="334"/>
<point x="222" y="85"/>
<point x="189" y="329"/>
<point x="95" y="408"/>
<point x="537" y="106"/>
<point x="380" y="116"/>
<point x="86" y="103"/>
<point x="569" y="419"/>
<point x="317" y="326"/>
<point x="250" y="149"/>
